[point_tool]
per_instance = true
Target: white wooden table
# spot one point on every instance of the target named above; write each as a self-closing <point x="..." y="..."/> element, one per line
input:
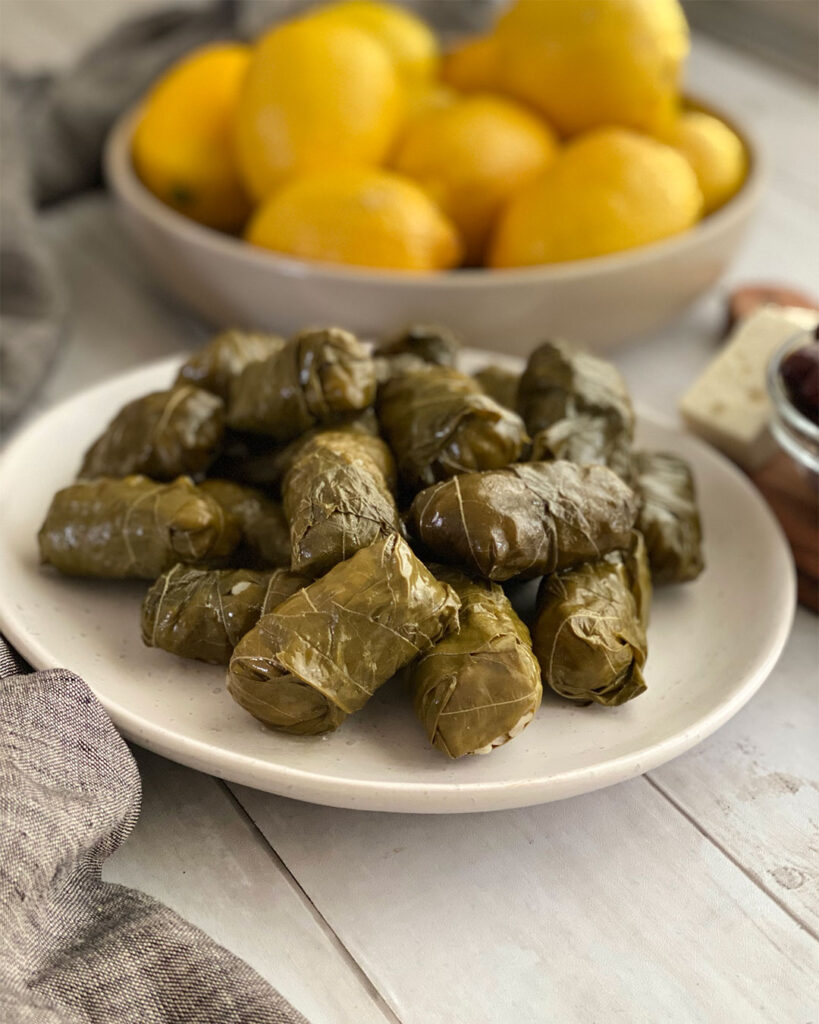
<point x="686" y="895"/>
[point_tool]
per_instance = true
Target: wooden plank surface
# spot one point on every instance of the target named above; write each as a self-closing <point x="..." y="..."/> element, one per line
<point x="196" y="850"/>
<point x="754" y="788"/>
<point x="610" y="906"/>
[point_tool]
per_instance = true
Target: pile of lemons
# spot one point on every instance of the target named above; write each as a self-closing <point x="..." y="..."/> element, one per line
<point x="345" y="136"/>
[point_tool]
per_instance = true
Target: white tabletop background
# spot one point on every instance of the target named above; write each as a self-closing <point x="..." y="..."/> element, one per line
<point x="686" y="895"/>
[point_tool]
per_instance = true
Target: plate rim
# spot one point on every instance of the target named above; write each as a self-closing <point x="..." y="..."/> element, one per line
<point x="394" y="795"/>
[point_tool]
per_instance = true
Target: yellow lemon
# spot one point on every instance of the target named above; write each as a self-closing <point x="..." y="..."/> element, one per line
<point x="317" y="95"/>
<point x="182" y="146"/>
<point x="409" y="41"/>
<point x="434" y="96"/>
<point x="367" y="217"/>
<point x="609" y="190"/>
<point x="589" y="63"/>
<point x="472" y="65"/>
<point x="715" y="152"/>
<point x="471" y="156"/>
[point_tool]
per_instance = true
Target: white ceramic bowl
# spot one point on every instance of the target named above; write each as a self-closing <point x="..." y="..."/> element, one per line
<point x="602" y="301"/>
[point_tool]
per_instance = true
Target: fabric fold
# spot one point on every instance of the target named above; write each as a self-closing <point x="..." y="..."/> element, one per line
<point x="72" y="947"/>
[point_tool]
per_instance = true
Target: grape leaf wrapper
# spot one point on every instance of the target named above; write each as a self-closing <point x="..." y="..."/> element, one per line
<point x="526" y="520"/>
<point x="480" y="687"/>
<point x="576" y="407"/>
<point x="317" y="377"/>
<point x="162" y="435"/>
<point x="134" y="528"/>
<point x="265" y="534"/>
<point x="338" y="499"/>
<point x="216" y="365"/>
<point x="589" y="632"/>
<point x="203" y="613"/>
<point x="324" y="652"/>
<point x="669" y="518"/>
<point x="439" y="423"/>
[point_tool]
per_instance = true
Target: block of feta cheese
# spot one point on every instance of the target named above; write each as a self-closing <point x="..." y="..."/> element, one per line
<point x="728" y="404"/>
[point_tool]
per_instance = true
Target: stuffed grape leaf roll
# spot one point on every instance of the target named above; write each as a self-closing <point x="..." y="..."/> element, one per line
<point x="262" y="462"/>
<point x="418" y="346"/>
<point x="322" y="654"/>
<point x="162" y="435"/>
<point x="216" y="365"/>
<point x="265" y="533"/>
<point x="589" y="632"/>
<point x="439" y="423"/>
<point x="338" y="498"/>
<point x="479" y="687"/>
<point x="204" y="613"/>
<point x="387" y="367"/>
<point x="526" y="520"/>
<point x="669" y="518"/>
<point x="500" y="384"/>
<point x="134" y="528"/>
<point x="428" y="342"/>
<point x="317" y="377"/>
<point x="576" y="407"/>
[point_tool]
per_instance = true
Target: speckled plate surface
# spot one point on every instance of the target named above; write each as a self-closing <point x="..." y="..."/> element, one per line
<point x="711" y="645"/>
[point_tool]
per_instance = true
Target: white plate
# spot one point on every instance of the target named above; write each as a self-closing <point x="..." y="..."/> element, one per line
<point x="711" y="645"/>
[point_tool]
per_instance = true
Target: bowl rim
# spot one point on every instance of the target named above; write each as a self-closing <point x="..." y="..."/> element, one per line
<point x="121" y="178"/>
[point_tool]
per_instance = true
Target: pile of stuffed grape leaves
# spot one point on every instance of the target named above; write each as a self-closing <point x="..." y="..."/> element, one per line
<point x="325" y="518"/>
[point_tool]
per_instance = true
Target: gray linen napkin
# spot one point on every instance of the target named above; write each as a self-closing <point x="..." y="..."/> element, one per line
<point x="52" y="129"/>
<point x="72" y="947"/>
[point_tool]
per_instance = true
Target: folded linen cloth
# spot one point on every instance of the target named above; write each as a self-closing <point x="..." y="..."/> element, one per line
<point x="51" y="135"/>
<point x="72" y="947"/>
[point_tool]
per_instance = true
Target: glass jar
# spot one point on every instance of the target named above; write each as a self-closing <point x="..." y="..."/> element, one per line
<point x="794" y="432"/>
<point x="790" y="479"/>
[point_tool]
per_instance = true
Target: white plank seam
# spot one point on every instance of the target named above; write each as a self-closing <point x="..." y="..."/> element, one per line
<point x="749" y="874"/>
<point x="378" y="999"/>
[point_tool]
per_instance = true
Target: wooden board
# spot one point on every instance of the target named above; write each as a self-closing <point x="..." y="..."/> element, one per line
<point x="611" y="906"/>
